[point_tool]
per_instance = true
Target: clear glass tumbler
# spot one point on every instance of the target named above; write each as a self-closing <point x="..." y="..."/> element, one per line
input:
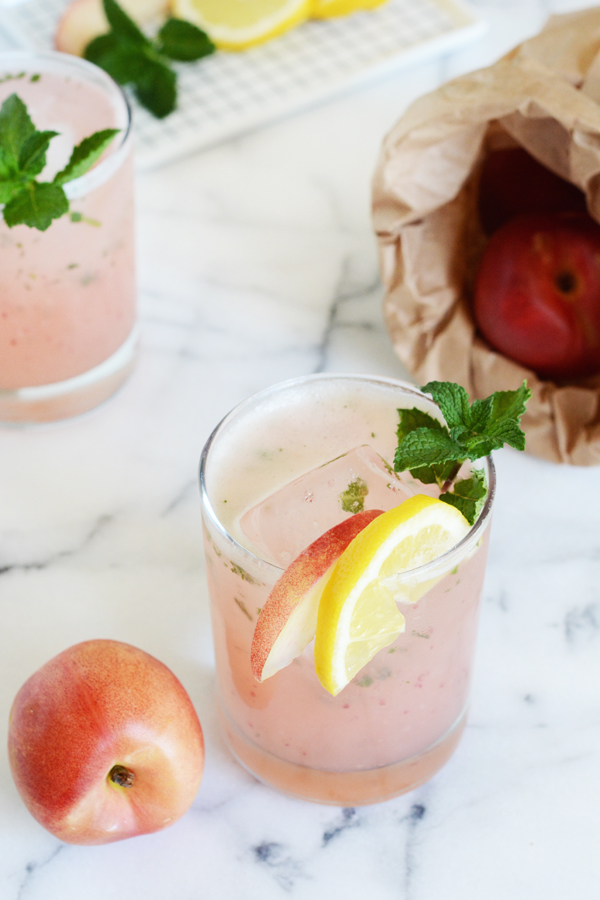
<point x="68" y="294"/>
<point x="401" y="717"/>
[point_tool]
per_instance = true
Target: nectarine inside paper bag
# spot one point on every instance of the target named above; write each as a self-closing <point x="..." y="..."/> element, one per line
<point x="544" y="96"/>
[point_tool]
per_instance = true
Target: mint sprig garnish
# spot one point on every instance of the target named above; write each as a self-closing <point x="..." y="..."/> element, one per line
<point x="434" y="452"/>
<point x="23" y="157"/>
<point x="133" y="59"/>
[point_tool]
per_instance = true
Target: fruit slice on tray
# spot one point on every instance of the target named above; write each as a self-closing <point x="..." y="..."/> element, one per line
<point x="327" y="9"/>
<point x="83" y="20"/>
<point x="288" y="620"/>
<point x="357" y="614"/>
<point x="237" y="24"/>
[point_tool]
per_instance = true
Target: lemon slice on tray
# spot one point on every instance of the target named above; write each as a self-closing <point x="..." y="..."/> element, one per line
<point x="327" y="9"/>
<point x="358" y="615"/>
<point x="238" y="24"/>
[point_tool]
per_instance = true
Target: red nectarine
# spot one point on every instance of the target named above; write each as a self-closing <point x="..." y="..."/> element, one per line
<point x="537" y="294"/>
<point x="104" y="744"/>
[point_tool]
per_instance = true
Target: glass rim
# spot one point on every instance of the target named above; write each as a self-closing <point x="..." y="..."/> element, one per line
<point x="276" y="571"/>
<point x="105" y="169"/>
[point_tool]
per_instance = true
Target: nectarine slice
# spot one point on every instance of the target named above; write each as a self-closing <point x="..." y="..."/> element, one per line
<point x="83" y="20"/>
<point x="287" y="623"/>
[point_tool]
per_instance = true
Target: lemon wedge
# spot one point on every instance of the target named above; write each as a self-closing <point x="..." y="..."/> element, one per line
<point x="357" y="614"/>
<point x="238" y="24"/>
<point x="327" y="9"/>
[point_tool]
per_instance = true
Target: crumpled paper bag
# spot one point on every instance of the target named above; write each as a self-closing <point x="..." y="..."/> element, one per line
<point x="543" y="96"/>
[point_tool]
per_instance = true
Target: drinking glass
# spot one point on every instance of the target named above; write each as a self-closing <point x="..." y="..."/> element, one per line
<point x="401" y="717"/>
<point x="68" y="333"/>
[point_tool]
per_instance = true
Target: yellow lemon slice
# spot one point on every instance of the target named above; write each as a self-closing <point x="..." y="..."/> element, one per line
<point x="238" y="24"/>
<point x="357" y="614"/>
<point x="327" y="9"/>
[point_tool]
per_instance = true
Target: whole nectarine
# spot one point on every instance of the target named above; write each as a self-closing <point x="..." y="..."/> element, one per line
<point x="104" y="744"/>
<point x="537" y="294"/>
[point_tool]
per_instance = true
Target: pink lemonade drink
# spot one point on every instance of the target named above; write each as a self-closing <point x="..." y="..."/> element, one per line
<point x="398" y="721"/>
<point x="67" y="294"/>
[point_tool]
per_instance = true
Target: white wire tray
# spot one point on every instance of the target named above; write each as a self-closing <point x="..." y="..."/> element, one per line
<point x="228" y="93"/>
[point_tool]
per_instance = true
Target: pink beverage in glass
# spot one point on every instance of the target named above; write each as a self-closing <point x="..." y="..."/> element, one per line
<point x="68" y="294"/>
<point x="401" y="717"/>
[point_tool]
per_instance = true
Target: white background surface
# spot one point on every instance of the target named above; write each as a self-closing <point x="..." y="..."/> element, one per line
<point x="257" y="263"/>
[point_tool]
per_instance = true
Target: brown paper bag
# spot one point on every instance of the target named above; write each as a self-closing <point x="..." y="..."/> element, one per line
<point x="544" y="96"/>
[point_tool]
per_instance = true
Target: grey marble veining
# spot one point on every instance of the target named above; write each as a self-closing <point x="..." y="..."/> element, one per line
<point x="257" y="263"/>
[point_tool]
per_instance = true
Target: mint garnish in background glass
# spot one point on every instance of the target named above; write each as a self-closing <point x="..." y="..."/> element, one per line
<point x="434" y="453"/>
<point x="23" y="157"/>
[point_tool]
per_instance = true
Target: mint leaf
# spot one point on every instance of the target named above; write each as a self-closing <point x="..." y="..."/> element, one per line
<point x="156" y="89"/>
<point x="453" y="401"/>
<point x="468" y="495"/>
<point x="122" y="60"/>
<point x="6" y="170"/>
<point x="36" y="206"/>
<point x="121" y="24"/>
<point x="85" y="155"/>
<point x="32" y="157"/>
<point x="506" y="409"/>
<point x="183" y="41"/>
<point x="133" y="59"/>
<point x="411" y="419"/>
<point x="510" y="404"/>
<point x="353" y="498"/>
<point x="424" y="447"/>
<point x="434" y="453"/>
<point x="15" y="128"/>
<point x="8" y="189"/>
<point x="481" y="411"/>
<point x="425" y="474"/>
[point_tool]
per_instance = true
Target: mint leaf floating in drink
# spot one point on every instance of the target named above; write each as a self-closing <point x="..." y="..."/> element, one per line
<point x="434" y="452"/>
<point x="352" y="500"/>
<point x="23" y="157"/>
<point x="133" y="59"/>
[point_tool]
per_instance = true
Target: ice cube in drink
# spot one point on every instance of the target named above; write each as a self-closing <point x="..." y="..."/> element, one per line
<point x="287" y="521"/>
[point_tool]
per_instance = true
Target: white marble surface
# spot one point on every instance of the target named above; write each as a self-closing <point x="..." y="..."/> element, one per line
<point x="257" y="263"/>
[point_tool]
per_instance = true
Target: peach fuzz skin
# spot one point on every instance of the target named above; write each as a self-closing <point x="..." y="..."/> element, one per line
<point x="97" y="705"/>
<point x="298" y="585"/>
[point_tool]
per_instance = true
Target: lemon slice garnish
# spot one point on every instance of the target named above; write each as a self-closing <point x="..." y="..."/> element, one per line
<point x="357" y="614"/>
<point x="327" y="9"/>
<point x="238" y="24"/>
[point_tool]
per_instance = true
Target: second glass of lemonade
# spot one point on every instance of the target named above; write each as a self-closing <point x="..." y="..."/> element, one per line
<point x="68" y="334"/>
<point x="281" y="469"/>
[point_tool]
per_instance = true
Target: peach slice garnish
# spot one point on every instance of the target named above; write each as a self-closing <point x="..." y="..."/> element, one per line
<point x="288" y="621"/>
<point x="84" y="20"/>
